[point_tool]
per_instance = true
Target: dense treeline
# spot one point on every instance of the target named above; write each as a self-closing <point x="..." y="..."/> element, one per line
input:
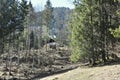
<point x="25" y="28"/>
<point x="12" y="17"/>
<point x="28" y="39"/>
<point x="90" y="25"/>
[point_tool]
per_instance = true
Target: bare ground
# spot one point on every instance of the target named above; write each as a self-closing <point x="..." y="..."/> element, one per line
<point x="110" y="72"/>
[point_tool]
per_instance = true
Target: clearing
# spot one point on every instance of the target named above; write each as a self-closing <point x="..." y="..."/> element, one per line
<point x="109" y="72"/>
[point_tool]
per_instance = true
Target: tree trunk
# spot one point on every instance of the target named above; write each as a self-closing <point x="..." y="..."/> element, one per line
<point x="103" y="56"/>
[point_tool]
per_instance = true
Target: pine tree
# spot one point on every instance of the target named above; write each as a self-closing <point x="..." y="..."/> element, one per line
<point x="82" y="31"/>
<point x="90" y="29"/>
<point x="48" y="16"/>
<point x="12" y="16"/>
<point x="47" y="19"/>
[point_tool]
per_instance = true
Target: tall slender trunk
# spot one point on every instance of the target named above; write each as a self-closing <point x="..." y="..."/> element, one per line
<point x="92" y="38"/>
<point x="102" y="30"/>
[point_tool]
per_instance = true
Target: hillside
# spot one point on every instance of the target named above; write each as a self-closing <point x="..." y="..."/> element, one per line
<point x="61" y="14"/>
<point x="61" y="17"/>
<point x="111" y="72"/>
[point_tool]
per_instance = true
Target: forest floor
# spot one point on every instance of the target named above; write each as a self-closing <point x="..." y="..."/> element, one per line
<point x="52" y="65"/>
<point x="109" y="72"/>
<point x="37" y="64"/>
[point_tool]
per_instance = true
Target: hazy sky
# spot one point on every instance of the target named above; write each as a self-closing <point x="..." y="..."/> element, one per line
<point x="39" y="4"/>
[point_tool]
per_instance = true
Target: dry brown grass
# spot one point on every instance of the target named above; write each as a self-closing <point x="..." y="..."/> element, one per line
<point x="111" y="72"/>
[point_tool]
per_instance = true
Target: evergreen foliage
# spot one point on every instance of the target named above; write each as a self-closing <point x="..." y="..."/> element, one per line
<point x="48" y="15"/>
<point x="12" y="17"/>
<point x="90" y="26"/>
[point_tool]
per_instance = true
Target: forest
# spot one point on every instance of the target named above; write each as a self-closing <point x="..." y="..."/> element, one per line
<point x="37" y="44"/>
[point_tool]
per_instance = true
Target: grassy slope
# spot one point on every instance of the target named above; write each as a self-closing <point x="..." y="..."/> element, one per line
<point x="111" y="72"/>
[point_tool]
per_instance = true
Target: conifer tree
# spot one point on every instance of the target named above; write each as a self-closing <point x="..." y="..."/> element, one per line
<point x="12" y="16"/>
<point x="48" y="16"/>
<point x="47" y="19"/>
<point x="90" y="29"/>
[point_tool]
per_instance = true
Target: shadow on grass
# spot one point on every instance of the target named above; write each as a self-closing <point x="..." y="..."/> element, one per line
<point x="110" y="62"/>
<point x="42" y="75"/>
<point x="101" y="64"/>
